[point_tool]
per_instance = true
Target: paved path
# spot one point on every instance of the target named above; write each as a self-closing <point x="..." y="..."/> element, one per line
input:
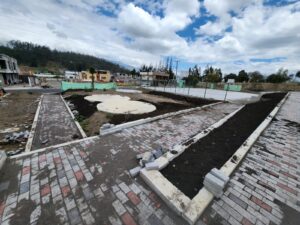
<point x="88" y="182"/>
<point x="55" y="124"/>
<point x="266" y="187"/>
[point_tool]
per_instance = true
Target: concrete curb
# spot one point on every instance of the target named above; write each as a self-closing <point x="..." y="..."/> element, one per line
<point x="53" y="146"/>
<point x="83" y="134"/>
<point x="192" y="209"/>
<point x="34" y="123"/>
<point x="120" y="127"/>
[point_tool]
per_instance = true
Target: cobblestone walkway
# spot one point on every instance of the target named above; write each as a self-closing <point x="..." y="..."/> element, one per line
<point x="88" y="182"/>
<point x="55" y="124"/>
<point x="266" y="187"/>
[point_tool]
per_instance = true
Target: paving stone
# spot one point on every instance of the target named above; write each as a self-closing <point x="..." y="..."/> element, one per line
<point x="124" y="187"/>
<point x="120" y="209"/>
<point x="87" y="218"/>
<point x="127" y="219"/>
<point x="24" y="187"/>
<point x="4" y="185"/>
<point x="114" y="220"/>
<point x="121" y="196"/>
<point x="74" y="216"/>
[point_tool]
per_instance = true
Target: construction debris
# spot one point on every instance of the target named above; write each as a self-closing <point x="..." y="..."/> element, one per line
<point x="215" y="182"/>
<point x="147" y="160"/>
<point x="16" y="137"/>
<point x="135" y="171"/>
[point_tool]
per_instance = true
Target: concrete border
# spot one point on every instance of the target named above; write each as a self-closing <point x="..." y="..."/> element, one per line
<point x="120" y="127"/>
<point x="33" y="126"/>
<point x="192" y="209"/>
<point x="53" y="146"/>
<point x="83" y="134"/>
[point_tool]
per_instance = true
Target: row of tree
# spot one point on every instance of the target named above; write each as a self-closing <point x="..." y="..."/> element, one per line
<point x="214" y="75"/>
<point x="42" y="57"/>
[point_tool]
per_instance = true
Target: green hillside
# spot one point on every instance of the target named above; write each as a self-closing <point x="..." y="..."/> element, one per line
<point x="47" y="60"/>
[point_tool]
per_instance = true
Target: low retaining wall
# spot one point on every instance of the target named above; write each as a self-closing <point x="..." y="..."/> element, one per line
<point x="252" y="86"/>
<point x="86" y="85"/>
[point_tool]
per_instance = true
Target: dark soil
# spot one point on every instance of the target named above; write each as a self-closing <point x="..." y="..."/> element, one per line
<point x="84" y="107"/>
<point x="161" y="108"/>
<point x="188" y="170"/>
<point x="189" y="99"/>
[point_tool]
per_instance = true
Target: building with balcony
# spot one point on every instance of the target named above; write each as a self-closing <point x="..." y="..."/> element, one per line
<point x="9" y="70"/>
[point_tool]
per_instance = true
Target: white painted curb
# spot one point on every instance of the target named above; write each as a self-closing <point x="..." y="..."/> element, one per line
<point x="33" y="126"/>
<point x="53" y="146"/>
<point x="83" y="134"/>
<point x="192" y="209"/>
<point x="120" y="127"/>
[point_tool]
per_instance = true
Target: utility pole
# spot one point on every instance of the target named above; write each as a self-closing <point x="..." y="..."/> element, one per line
<point x="176" y="74"/>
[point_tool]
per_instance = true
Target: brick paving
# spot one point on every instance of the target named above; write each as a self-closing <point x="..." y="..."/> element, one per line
<point x="88" y="182"/>
<point x="265" y="189"/>
<point x="55" y="124"/>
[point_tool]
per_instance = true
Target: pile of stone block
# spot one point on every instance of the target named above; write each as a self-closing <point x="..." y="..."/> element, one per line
<point x="16" y="137"/>
<point x="147" y="160"/>
<point x="215" y="181"/>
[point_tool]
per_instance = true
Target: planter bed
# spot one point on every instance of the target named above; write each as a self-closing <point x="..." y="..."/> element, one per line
<point x="187" y="171"/>
<point x="91" y="119"/>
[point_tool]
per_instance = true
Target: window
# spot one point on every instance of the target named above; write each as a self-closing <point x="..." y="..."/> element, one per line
<point x="2" y="64"/>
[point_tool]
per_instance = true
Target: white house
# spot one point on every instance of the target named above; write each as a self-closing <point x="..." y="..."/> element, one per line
<point x="71" y="75"/>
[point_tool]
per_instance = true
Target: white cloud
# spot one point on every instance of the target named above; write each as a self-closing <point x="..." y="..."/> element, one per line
<point x="142" y="31"/>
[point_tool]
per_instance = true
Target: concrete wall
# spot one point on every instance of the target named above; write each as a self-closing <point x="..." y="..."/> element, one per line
<point x="257" y="86"/>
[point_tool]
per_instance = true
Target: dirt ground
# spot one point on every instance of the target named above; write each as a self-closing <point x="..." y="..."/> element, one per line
<point x="91" y="119"/>
<point x="188" y="170"/>
<point x="17" y="112"/>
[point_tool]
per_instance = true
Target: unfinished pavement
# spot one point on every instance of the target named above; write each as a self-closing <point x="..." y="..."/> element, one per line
<point x="55" y="124"/>
<point x="88" y="182"/>
<point x="265" y="189"/>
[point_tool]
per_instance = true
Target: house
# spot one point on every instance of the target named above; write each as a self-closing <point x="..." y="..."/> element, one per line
<point x="70" y="75"/>
<point x="9" y="70"/>
<point x="150" y="77"/>
<point x="26" y="75"/>
<point x="99" y="76"/>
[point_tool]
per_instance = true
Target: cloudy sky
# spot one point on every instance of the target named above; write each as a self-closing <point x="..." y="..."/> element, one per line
<point x="232" y="34"/>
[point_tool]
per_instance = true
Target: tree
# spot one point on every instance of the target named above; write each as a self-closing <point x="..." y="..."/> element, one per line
<point x="133" y="72"/>
<point x="193" y="77"/>
<point x="256" y="77"/>
<point x="242" y="77"/>
<point x="170" y="70"/>
<point x="92" y="71"/>
<point x="230" y="76"/>
<point x="211" y="74"/>
<point x="280" y="77"/>
<point x="29" y="54"/>
<point x="298" y="74"/>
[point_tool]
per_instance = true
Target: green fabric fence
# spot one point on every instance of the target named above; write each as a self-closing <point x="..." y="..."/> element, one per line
<point x="232" y="87"/>
<point x="88" y="85"/>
